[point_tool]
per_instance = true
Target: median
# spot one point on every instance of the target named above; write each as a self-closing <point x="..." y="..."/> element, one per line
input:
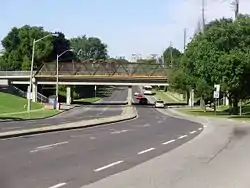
<point x="128" y="113"/>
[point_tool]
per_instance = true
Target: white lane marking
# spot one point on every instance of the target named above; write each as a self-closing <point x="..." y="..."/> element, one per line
<point x="108" y="166"/>
<point x="160" y="121"/>
<point x="92" y="138"/>
<point x="205" y="126"/>
<point x="36" y="150"/>
<point x="168" y="142"/>
<point x="145" y="151"/>
<point x="193" y="132"/>
<point x="51" y="145"/>
<point x="58" y="185"/>
<point x="10" y="128"/>
<point x="117" y="132"/>
<point x="146" y="125"/>
<point x="183" y="136"/>
<point x="200" y="129"/>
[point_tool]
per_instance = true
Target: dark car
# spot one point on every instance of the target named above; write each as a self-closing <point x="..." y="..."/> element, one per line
<point x="143" y="100"/>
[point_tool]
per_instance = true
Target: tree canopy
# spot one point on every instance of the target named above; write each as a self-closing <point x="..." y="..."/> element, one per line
<point x="89" y="48"/>
<point x="175" y="59"/>
<point x="18" y="47"/>
<point x="220" y="55"/>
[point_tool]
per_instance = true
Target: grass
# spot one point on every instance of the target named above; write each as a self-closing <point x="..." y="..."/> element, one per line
<point x="11" y="104"/>
<point x="88" y="100"/>
<point x="222" y="111"/>
<point x="33" y="115"/>
<point x="14" y="108"/>
<point x="167" y="97"/>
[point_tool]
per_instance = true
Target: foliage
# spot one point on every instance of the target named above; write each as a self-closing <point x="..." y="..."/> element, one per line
<point x="18" y="47"/>
<point x="220" y="55"/>
<point x="176" y="57"/>
<point x="89" y="48"/>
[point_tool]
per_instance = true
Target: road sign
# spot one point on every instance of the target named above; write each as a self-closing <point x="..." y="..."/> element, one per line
<point x="216" y="94"/>
<point x="217" y="87"/>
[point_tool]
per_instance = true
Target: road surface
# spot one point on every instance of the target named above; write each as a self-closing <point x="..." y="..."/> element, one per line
<point x="83" y="112"/>
<point x="75" y="158"/>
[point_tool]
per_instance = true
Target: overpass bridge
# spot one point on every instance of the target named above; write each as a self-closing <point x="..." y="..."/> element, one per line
<point x="90" y="72"/>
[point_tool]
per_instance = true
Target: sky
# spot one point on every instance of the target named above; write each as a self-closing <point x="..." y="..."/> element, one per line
<point x="126" y="26"/>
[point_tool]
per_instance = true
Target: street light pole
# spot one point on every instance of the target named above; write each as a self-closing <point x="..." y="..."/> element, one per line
<point x="57" y="73"/>
<point x="31" y="69"/>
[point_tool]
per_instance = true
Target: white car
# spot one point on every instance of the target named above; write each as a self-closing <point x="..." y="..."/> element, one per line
<point x="159" y="104"/>
<point x="148" y="92"/>
<point x="136" y="93"/>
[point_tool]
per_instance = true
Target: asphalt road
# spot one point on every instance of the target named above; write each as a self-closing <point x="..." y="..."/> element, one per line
<point x="84" y="112"/>
<point x="75" y="158"/>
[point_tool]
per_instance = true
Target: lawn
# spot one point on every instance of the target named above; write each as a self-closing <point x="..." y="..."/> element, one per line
<point x="10" y="104"/>
<point x="222" y="111"/>
<point x="88" y="100"/>
<point x="167" y="97"/>
<point x="14" y="107"/>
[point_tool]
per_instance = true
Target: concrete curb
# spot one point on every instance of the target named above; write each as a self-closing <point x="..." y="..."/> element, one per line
<point x="128" y="113"/>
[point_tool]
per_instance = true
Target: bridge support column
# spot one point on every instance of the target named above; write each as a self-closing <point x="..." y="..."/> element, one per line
<point x="34" y="92"/>
<point x="68" y="96"/>
<point x="191" y="98"/>
<point x="129" y="95"/>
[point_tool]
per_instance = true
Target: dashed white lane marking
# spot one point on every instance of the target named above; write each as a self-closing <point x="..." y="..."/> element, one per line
<point x="205" y="126"/>
<point x="58" y="185"/>
<point x="118" y="132"/>
<point x="200" y="129"/>
<point x="160" y="121"/>
<point x="108" y="166"/>
<point x="183" y="136"/>
<point x="193" y="132"/>
<point x="146" y="125"/>
<point x="168" y="142"/>
<point x="51" y="145"/>
<point x="46" y="147"/>
<point x="145" y="151"/>
<point x="92" y="138"/>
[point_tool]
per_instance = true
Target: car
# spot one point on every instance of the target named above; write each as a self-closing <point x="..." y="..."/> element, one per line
<point x="159" y="104"/>
<point x="148" y="92"/>
<point x="143" y="101"/>
<point x="136" y="93"/>
<point x="138" y="97"/>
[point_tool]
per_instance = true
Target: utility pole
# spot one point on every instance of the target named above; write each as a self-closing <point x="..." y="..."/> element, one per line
<point x="236" y="9"/>
<point x="185" y="37"/>
<point x="171" y="55"/>
<point x="203" y="14"/>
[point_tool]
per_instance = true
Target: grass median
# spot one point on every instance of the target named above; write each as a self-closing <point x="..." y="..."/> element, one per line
<point x="167" y="97"/>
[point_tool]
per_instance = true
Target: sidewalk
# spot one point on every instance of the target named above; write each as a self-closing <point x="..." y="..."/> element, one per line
<point x="217" y="158"/>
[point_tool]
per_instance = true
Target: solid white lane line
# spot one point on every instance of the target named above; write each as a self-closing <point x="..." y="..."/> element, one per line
<point x="200" y="129"/>
<point x="36" y="150"/>
<point x="193" y="132"/>
<point x="51" y="145"/>
<point x="168" y="142"/>
<point x="58" y="185"/>
<point x="145" y="151"/>
<point x="183" y="136"/>
<point x="108" y="166"/>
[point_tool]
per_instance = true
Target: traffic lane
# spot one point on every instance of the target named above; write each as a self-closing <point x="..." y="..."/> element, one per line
<point x="87" y="150"/>
<point x="77" y="114"/>
<point x="118" y="94"/>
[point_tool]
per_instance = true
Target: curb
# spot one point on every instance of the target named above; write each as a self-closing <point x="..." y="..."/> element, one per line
<point x="69" y="126"/>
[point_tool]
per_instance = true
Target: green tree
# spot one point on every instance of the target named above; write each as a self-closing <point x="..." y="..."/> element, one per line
<point x="18" y="47"/>
<point x="89" y="48"/>
<point x="220" y="55"/>
<point x="172" y="57"/>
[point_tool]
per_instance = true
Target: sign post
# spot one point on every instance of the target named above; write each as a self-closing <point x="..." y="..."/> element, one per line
<point x="95" y="91"/>
<point x="216" y="95"/>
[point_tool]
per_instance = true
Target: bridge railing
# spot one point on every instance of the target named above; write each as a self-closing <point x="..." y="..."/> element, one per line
<point x="99" y="68"/>
<point x="14" y="73"/>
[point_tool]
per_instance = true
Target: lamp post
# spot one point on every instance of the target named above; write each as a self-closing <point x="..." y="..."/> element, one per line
<point x="57" y="71"/>
<point x="32" y="66"/>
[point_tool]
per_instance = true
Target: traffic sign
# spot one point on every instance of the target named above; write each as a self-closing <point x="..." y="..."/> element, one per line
<point x="217" y="87"/>
<point x="216" y="94"/>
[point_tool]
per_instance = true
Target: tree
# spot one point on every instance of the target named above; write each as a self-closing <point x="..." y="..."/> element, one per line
<point x="91" y="48"/>
<point x="172" y="55"/>
<point x="220" y="55"/>
<point x="18" y="47"/>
